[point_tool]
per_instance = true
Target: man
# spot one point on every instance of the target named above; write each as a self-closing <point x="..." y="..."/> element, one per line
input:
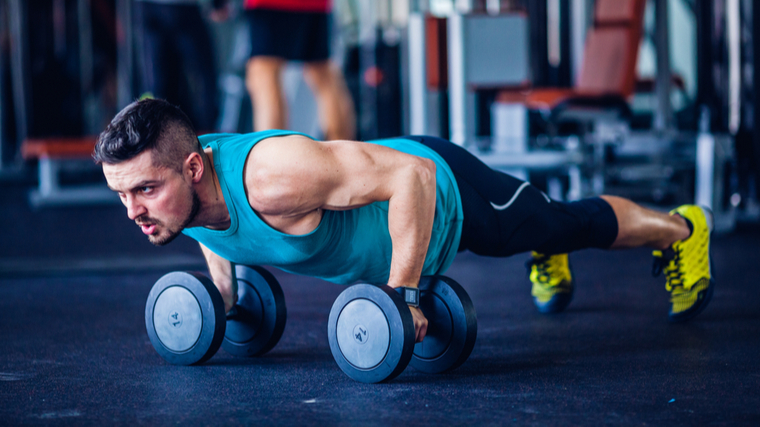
<point x="383" y="212"/>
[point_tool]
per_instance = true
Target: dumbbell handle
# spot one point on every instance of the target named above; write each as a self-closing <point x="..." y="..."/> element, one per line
<point x="240" y="314"/>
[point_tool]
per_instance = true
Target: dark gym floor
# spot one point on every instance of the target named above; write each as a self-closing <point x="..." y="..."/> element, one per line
<point x="73" y="285"/>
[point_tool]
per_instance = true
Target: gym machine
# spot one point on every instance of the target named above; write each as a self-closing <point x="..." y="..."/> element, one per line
<point x="603" y="151"/>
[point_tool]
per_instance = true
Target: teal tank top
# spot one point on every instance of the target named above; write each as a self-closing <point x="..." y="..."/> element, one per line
<point x="347" y="246"/>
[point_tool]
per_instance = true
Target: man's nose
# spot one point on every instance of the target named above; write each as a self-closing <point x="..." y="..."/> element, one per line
<point x="134" y="208"/>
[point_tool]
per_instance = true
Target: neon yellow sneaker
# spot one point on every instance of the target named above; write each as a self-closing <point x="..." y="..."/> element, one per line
<point x="686" y="264"/>
<point x="552" y="282"/>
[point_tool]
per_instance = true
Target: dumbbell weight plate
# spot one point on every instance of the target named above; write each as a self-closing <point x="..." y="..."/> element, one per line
<point x="184" y="317"/>
<point x="452" y="326"/>
<point x="262" y="321"/>
<point x="371" y="333"/>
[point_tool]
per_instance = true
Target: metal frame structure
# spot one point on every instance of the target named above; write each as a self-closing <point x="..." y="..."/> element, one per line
<point x="706" y="153"/>
<point x="50" y="192"/>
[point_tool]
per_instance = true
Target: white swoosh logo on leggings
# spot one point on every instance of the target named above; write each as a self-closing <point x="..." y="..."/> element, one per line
<point x="514" y="197"/>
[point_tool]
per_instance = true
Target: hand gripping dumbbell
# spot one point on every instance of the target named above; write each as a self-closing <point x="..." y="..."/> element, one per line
<point x="186" y="323"/>
<point x="371" y="331"/>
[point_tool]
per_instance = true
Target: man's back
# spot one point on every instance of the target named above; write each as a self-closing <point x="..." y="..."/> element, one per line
<point x="345" y="245"/>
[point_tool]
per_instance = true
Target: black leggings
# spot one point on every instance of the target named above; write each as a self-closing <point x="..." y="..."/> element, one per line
<point x="504" y="216"/>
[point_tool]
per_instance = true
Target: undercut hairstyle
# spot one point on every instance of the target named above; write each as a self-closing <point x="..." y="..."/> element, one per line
<point x="148" y="124"/>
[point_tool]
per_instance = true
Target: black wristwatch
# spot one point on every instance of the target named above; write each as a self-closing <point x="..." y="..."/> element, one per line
<point x="411" y="295"/>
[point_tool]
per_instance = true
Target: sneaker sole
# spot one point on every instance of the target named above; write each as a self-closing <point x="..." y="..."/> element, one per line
<point x="557" y="304"/>
<point x="695" y="310"/>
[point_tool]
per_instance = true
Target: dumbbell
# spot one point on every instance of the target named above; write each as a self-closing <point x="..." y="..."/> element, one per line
<point x="186" y="323"/>
<point x="371" y="330"/>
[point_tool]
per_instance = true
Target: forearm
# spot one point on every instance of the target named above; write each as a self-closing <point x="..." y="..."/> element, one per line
<point x="223" y="276"/>
<point x="411" y="212"/>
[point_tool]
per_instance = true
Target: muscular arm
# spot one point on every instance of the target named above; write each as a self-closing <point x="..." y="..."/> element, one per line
<point x="223" y="276"/>
<point x="290" y="179"/>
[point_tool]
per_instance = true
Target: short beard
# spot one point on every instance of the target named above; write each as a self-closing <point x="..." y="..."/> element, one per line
<point x="194" y="209"/>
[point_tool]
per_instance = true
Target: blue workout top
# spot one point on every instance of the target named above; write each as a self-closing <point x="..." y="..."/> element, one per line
<point x="347" y="246"/>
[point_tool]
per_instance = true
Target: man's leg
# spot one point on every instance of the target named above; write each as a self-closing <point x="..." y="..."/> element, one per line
<point x="505" y="216"/>
<point x="551" y="275"/>
<point x="638" y="226"/>
<point x="682" y="240"/>
<point x="336" y="109"/>
<point x="262" y="78"/>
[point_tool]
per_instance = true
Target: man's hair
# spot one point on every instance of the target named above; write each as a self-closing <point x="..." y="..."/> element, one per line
<point x="148" y="124"/>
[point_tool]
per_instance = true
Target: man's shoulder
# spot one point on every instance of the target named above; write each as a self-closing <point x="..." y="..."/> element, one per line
<point x="280" y="150"/>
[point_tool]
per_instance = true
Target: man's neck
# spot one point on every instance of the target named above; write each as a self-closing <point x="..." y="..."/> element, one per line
<point x="213" y="213"/>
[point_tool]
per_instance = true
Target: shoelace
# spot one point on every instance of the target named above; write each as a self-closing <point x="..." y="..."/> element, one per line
<point x="668" y="262"/>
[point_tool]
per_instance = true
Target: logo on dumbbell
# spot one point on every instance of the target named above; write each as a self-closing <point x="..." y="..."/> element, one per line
<point x="175" y="318"/>
<point x="360" y="334"/>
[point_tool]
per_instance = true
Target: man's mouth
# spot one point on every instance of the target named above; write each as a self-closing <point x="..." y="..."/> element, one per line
<point x="148" y="228"/>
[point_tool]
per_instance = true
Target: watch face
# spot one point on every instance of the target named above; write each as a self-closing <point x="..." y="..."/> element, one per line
<point x="411" y="295"/>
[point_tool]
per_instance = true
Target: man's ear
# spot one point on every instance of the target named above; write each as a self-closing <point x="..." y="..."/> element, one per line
<point x="194" y="167"/>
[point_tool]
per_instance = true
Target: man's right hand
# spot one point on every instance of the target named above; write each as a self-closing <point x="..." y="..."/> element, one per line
<point x="223" y="277"/>
<point x="229" y="293"/>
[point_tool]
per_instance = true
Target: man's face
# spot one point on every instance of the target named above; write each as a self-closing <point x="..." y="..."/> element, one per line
<point x="160" y="200"/>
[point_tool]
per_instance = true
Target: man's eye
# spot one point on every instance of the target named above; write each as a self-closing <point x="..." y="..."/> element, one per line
<point x="146" y="190"/>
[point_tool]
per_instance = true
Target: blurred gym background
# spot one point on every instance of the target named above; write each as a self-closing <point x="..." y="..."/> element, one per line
<point x="649" y="99"/>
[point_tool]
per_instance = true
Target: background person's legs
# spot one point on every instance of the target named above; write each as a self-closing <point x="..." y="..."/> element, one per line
<point x="264" y="84"/>
<point x="192" y="41"/>
<point x="279" y="37"/>
<point x="336" y="109"/>
<point x="154" y="52"/>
